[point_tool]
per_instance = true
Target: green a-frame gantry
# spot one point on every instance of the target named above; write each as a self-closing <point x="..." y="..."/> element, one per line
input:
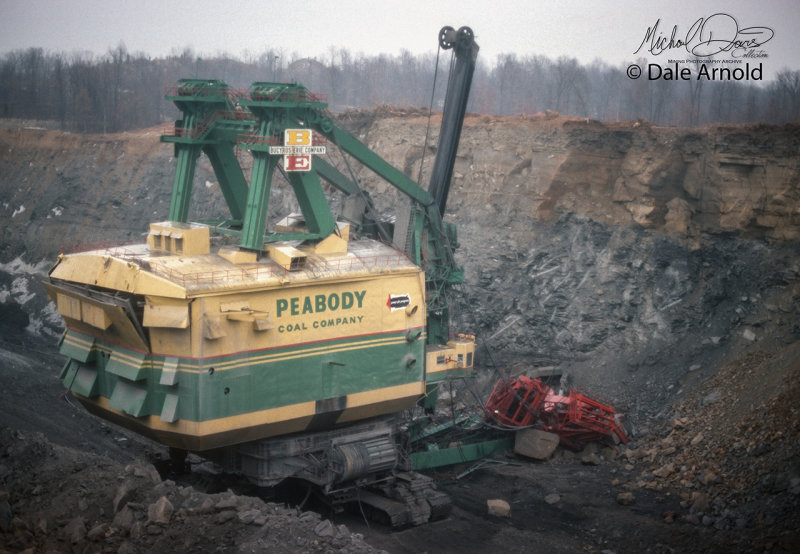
<point x="215" y="119"/>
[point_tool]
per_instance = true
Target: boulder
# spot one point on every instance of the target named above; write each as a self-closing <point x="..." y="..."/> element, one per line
<point x="498" y="508"/>
<point x="75" y="530"/>
<point x="625" y="498"/>
<point x="535" y="443"/>
<point x="160" y="511"/>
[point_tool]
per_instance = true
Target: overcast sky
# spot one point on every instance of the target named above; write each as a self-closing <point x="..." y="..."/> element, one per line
<point x="586" y="30"/>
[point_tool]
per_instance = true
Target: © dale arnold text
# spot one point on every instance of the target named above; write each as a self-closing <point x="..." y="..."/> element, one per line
<point x="704" y="71"/>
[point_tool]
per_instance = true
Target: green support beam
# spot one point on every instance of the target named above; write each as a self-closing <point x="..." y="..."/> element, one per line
<point x="231" y="179"/>
<point x="255" y="219"/>
<point x="209" y="124"/>
<point x="335" y="177"/>
<point x="184" y="177"/>
<point x="380" y="166"/>
<point x="313" y="203"/>
<point x="461" y="454"/>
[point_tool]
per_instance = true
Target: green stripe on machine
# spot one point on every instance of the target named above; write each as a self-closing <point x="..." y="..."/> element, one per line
<point x="129" y="364"/>
<point x="76" y="346"/>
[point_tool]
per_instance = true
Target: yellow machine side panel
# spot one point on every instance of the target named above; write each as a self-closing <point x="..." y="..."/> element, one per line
<point x="314" y="312"/>
<point x="95" y="318"/>
<point x="166" y="312"/>
<point x="170" y="342"/>
<point x="93" y="268"/>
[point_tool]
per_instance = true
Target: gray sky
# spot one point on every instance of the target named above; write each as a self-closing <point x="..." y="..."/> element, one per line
<point x="609" y="30"/>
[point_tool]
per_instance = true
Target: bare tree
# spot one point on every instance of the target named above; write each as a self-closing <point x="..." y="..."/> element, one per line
<point x="571" y="85"/>
<point x="122" y="90"/>
<point x="787" y="85"/>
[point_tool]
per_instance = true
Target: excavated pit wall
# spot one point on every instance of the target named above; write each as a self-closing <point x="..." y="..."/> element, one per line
<point x="635" y="258"/>
<point x="638" y="259"/>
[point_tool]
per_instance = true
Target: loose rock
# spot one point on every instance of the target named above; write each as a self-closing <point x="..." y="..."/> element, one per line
<point x="498" y="508"/>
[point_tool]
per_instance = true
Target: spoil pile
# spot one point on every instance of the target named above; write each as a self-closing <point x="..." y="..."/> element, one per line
<point x="731" y="454"/>
<point x="58" y="499"/>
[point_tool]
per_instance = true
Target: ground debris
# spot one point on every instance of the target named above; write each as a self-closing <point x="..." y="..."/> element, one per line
<point x="498" y="508"/>
<point x="130" y="512"/>
<point x="734" y="452"/>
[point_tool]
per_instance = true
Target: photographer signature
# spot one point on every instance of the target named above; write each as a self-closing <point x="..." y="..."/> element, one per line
<point x="706" y="37"/>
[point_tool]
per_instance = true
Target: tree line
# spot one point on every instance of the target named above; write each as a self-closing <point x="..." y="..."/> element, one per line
<point x="120" y="90"/>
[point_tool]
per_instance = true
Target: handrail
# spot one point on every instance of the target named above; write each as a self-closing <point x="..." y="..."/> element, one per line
<point x="317" y="139"/>
<point x="247" y="273"/>
<point x="201" y="91"/>
<point x="233" y="94"/>
<point x="201" y="130"/>
<point x="286" y="96"/>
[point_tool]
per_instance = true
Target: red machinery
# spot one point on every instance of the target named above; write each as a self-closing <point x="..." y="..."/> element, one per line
<point x="577" y="419"/>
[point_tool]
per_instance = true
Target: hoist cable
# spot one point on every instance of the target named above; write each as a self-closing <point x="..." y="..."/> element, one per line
<point x="430" y="113"/>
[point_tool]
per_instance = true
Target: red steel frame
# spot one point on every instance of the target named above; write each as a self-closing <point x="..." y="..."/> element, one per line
<point x="577" y="419"/>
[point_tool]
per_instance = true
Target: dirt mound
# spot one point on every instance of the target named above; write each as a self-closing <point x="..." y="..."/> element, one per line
<point x="58" y="499"/>
<point x="731" y="453"/>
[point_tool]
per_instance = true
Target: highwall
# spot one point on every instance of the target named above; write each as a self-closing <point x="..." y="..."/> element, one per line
<point x="633" y="257"/>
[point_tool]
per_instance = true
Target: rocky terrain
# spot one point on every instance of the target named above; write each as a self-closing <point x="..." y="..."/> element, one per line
<point x="659" y="268"/>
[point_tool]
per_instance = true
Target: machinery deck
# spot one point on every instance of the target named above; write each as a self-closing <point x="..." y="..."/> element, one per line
<point x="210" y="273"/>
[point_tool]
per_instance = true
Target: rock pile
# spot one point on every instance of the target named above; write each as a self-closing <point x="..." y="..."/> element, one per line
<point x="731" y="460"/>
<point x="56" y="499"/>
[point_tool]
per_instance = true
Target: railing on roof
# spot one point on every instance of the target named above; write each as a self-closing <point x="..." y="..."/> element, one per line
<point x="261" y="272"/>
<point x="231" y="94"/>
<point x="317" y="139"/>
<point x="282" y="95"/>
<point x="221" y="276"/>
<point x="251" y="273"/>
<point x="205" y="124"/>
<point x="350" y="263"/>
